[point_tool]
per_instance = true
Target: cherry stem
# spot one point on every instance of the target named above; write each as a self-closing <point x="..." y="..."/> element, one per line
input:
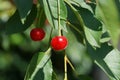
<point x="38" y="16"/>
<point x="59" y="28"/>
<point x="66" y="60"/>
<point x="65" y="67"/>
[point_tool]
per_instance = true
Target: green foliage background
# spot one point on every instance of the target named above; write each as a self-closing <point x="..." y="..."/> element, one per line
<point x="92" y="28"/>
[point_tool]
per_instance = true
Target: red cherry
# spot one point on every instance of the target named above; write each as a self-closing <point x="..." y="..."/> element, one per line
<point x="37" y="34"/>
<point x="59" y="43"/>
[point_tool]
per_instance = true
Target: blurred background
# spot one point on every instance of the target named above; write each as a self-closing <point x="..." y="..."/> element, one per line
<point x="17" y="50"/>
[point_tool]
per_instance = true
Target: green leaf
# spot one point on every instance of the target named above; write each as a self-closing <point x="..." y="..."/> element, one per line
<point x="54" y="76"/>
<point x="72" y="18"/>
<point x="30" y="17"/>
<point x="45" y="73"/>
<point x="92" y="27"/>
<point x="113" y="62"/>
<point x="74" y="13"/>
<point x="108" y="13"/>
<point x="23" y="6"/>
<point x="118" y="6"/>
<point x="48" y="71"/>
<point x="89" y="20"/>
<point x="105" y="37"/>
<point x="107" y="59"/>
<point x="51" y="11"/>
<point x="81" y="3"/>
<point x="37" y="63"/>
<point x="93" y="37"/>
<point x="14" y="24"/>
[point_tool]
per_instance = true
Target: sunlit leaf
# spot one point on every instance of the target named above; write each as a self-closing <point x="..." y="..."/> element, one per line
<point x="107" y="59"/>
<point x="92" y="27"/>
<point x="81" y="3"/>
<point x="113" y="62"/>
<point x="37" y="63"/>
<point x="108" y="13"/>
<point x="48" y="71"/>
<point x="51" y="11"/>
<point x="93" y="37"/>
<point x="45" y="73"/>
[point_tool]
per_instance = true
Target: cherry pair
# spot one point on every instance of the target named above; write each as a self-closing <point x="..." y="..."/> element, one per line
<point x="58" y="43"/>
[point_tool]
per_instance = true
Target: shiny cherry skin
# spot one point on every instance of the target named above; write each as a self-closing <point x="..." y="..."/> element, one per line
<point x="37" y="34"/>
<point x="59" y="43"/>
